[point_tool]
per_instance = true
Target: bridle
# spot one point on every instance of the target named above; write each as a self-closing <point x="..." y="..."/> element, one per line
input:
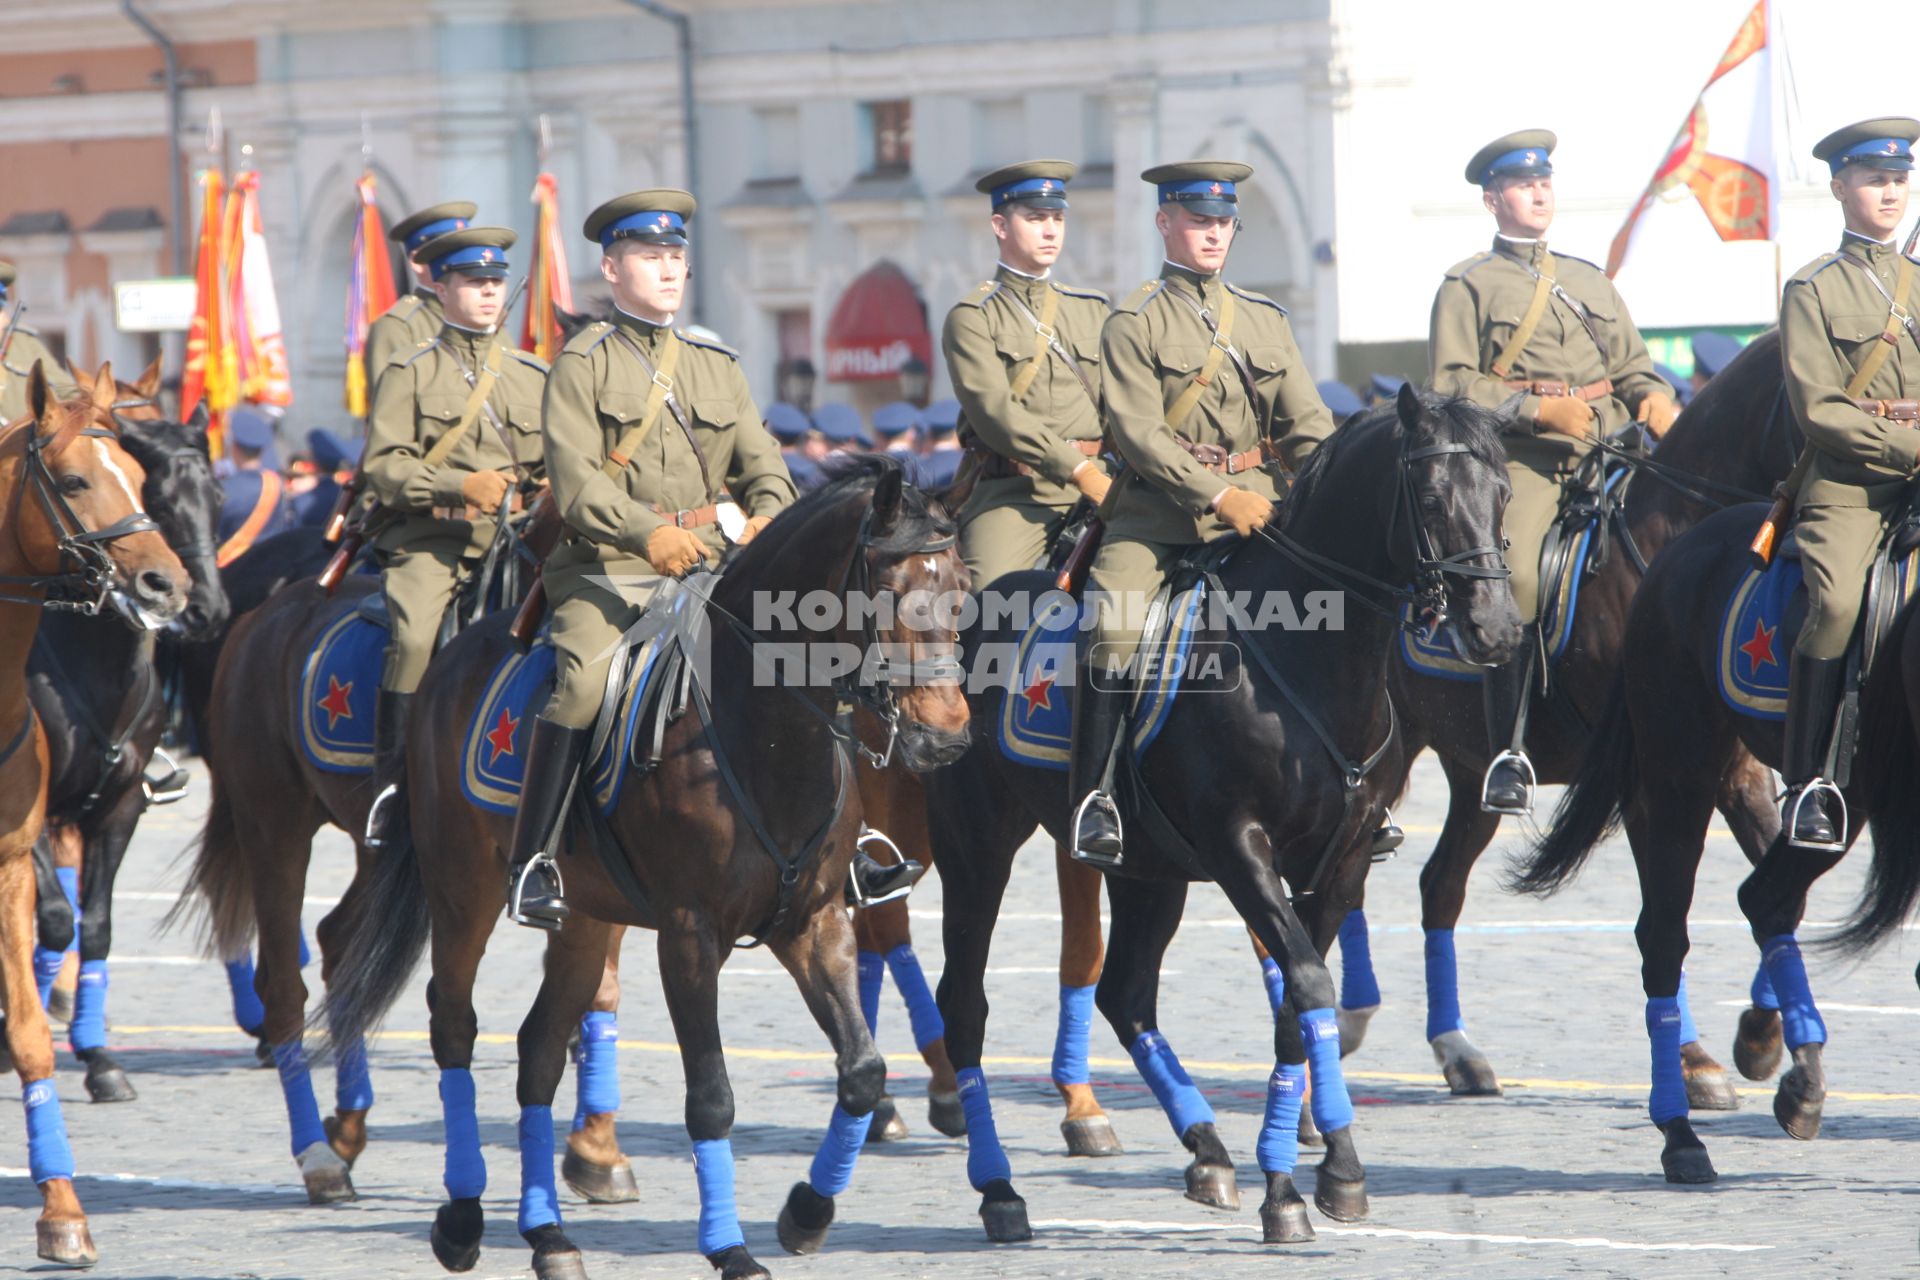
<point x="203" y="548"/>
<point x="85" y="587"/>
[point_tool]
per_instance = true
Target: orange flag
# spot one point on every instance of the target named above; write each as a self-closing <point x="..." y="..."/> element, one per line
<point x="370" y="292"/>
<point x="209" y="372"/>
<point x="252" y="306"/>
<point x="548" y="285"/>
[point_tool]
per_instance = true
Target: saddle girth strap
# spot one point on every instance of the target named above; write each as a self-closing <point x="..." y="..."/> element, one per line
<point x="1042" y="340"/>
<point x="1536" y="308"/>
<point x="1889" y="334"/>
<point x="622" y="452"/>
<point x="1222" y="338"/>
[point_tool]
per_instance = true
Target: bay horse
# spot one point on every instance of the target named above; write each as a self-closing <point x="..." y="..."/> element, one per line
<point x="73" y="536"/>
<point x="1733" y="443"/>
<point x="745" y="828"/>
<point x="1411" y="491"/>
<point x="1658" y="760"/>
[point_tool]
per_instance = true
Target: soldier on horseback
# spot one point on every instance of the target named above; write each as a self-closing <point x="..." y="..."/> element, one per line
<point x="1208" y="400"/>
<point x="454" y="429"/>
<point x="1549" y="336"/>
<point x="1851" y="347"/>
<point x="1023" y="352"/>
<point x="20" y="348"/>
<point x="417" y="317"/>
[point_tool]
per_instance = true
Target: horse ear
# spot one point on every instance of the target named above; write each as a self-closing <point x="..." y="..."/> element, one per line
<point x="1407" y="403"/>
<point x="105" y="390"/>
<point x="886" y="499"/>
<point x="81" y="378"/>
<point x="197" y="422"/>
<point x="38" y="396"/>
<point x="149" y="384"/>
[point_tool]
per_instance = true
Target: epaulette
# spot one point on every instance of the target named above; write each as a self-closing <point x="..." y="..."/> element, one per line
<point x="1567" y="257"/>
<point x="1261" y="298"/>
<point x="589" y="338"/>
<point x="528" y="358"/>
<point x="981" y="292"/>
<point x="1459" y="269"/>
<point x="403" y="308"/>
<point x="404" y="358"/>
<point x="710" y="344"/>
<point x="1074" y="291"/>
<point x="1143" y="295"/>
<point x="1814" y="268"/>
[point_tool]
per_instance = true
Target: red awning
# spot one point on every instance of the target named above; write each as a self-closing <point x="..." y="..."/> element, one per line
<point x="878" y="324"/>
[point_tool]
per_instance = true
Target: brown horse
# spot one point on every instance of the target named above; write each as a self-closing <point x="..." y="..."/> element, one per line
<point x="74" y="537"/>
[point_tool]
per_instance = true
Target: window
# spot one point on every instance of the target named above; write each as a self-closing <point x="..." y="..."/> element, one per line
<point x="1096" y="115"/>
<point x="888" y="137"/>
<point x="776" y="143"/>
<point x="999" y="132"/>
<point x="793" y="373"/>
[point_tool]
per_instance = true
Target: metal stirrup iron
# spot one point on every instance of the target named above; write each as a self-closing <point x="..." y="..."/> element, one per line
<point x="1105" y="801"/>
<point x="515" y="900"/>
<point x="374" y="813"/>
<point x="1791" y="819"/>
<point x="1518" y="759"/>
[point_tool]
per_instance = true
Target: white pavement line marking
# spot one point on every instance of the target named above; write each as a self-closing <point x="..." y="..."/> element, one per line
<point x="1904" y="1010"/>
<point x="176" y="1184"/>
<point x="155" y="895"/>
<point x="1401" y="1233"/>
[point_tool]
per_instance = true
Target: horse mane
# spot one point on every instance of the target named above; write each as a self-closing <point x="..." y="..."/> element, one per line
<point x="920" y="520"/>
<point x="1452" y="420"/>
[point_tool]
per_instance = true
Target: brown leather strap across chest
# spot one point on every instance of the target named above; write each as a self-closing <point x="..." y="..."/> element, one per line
<point x="696" y="518"/>
<point x="1592" y="391"/>
<point x="1893" y="410"/>
<point x="998" y="468"/>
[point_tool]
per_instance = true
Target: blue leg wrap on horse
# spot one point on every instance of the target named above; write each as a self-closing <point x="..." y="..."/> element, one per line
<point x="46" y="967"/>
<point x="89" y="1027"/>
<point x="1279" y="1146"/>
<point x="306" y="955"/>
<point x="1443" y="985"/>
<point x="1358" y="987"/>
<point x="719" y="1223"/>
<point x="296" y="1085"/>
<point x="1184" y="1104"/>
<point x="1332" y="1108"/>
<point x="46" y="964"/>
<point x="833" y="1163"/>
<point x="69" y="878"/>
<point x="352" y="1085"/>
<point x="1762" y="992"/>
<point x="466" y="1175"/>
<point x="48" y="1153"/>
<point x="1668" y="1098"/>
<point x="922" y="1010"/>
<point x="1070" y="1041"/>
<point x="1799" y="1020"/>
<point x="539" y="1202"/>
<point x="873" y="976"/>
<point x="986" y="1158"/>
<point x="1276" y="983"/>
<point x="1689" y="1034"/>
<point x="248" y="1013"/>
<point x="597" y="1067"/>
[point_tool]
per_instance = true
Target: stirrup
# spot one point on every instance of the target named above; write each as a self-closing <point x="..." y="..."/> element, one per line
<point x="371" y="836"/>
<point x="1097" y="860"/>
<point x="856" y="893"/>
<point x="517" y="890"/>
<point x="1791" y="818"/>
<point x="1509" y="756"/>
<point x="167" y="787"/>
<point x="1387" y="838"/>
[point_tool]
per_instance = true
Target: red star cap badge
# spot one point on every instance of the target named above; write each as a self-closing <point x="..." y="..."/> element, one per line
<point x="1215" y="188"/>
<point x="1759" y="647"/>
<point x="1529" y="157"/>
<point x="665" y="221"/>
<point x="336" y="704"/>
<point x="1046" y="185"/>
<point x="500" y="737"/>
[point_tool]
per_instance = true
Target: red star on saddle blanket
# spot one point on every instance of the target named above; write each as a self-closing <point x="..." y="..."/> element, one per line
<point x="335" y="704"/>
<point x="1040" y="693"/>
<point x="500" y="737"/>
<point x="1759" y="649"/>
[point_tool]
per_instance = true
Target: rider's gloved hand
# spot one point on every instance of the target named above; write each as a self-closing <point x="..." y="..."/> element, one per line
<point x="672" y="550"/>
<point x="1244" y="509"/>
<point x="1658" y="411"/>
<point x="752" y="529"/>
<point x="1090" y="480"/>
<point x="483" y="491"/>
<point x="1566" y="416"/>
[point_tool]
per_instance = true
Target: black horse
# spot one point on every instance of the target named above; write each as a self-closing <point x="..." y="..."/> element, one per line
<point x="1267" y="786"/>
<point x="96" y="688"/>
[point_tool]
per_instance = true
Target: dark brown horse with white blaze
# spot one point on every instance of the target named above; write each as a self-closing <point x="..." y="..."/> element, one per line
<point x="73" y="536"/>
<point x="746" y="827"/>
<point x="1735" y="440"/>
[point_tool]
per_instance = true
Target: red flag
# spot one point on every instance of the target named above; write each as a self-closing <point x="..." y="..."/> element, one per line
<point x="548" y="285"/>
<point x="262" y="376"/>
<point x="209" y="372"/>
<point x="370" y="292"/>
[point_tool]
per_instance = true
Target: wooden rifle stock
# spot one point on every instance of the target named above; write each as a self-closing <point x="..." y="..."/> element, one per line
<point x="1767" y="537"/>
<point x="342" y="560"/>
<point x="342" y="507"/>
<point x="1073" y="573"/>
<point x="533" y="611"/>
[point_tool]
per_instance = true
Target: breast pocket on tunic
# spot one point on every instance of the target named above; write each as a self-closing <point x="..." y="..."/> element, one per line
<point x="713" y="422"/>
<point x="1016" y="347"/>
<point x="438" y="414"/>
<point x="523" y="429"/>
<point x="1854" y="334"/>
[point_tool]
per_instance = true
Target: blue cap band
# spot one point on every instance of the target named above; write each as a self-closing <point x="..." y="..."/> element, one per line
<point x="1030" y="189"/>
<point x="478" y="255"/>
<point x="1525" y="160"/>
<point x="3" y="293"/>
<point x="433" y="229"/>
<point x="1203" y="189"/>
<point x="657" y="222"/>
<point x="1880" y="153"/>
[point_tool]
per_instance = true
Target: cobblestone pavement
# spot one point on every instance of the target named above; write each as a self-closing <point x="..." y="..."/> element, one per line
<point x="1560" y="1177"/>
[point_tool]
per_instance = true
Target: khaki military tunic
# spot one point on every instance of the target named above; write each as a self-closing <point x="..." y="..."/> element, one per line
<point x="399" y="330"/>
<point x="420" y="397"/>
<point x="1478" y="308"/>
<point x="990" y="342"/>
<point x="1831" y="317"/>
<point x="1151" y="348"/>
<point x="597" y="393"/>
<point x="23" y="349"/>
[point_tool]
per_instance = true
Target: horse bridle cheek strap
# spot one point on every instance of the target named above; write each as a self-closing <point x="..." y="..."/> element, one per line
<point x="858" y="579"/>
<point x="76" y="542"/>
<point x="1431" y="570"/>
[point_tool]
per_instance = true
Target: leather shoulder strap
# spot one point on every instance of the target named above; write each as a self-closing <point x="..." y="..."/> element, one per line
<point x="1889" y="334"/>
<point x="1222" y="338"/>
<point x="469" y="412"/>
<point x="1536" y="308"/>
<point x="1042" y="339"/>
<point x="623" y="451"/>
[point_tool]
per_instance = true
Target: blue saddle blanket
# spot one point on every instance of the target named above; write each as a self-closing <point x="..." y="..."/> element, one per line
<point x="1036" y="719"/>
<point x="338" y="688"/>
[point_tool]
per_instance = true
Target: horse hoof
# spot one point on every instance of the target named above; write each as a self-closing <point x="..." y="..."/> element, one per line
<point x="1758" y="1045"/>
<point x="1004" y="1214"/>
<point x="1310" y="1135"/>
<point x="60" y="1005"/>
<point x="567" y="1265"/>
<point x="68" y="1243"/>
<point x="737" y="1264"/>
<point x="599" y="1183"/>
<point x="325" y="1174"/>
<point x="1467" y="1071"/>
<point x="1283" y="1214"/>
<point x="109" y="1084"/>
<point x="457" y="1228"/>
<point x="1091" y="1136"/>
<point x="945" y="1113"/>
<point x="1798" y="1104"/>
<point x="804" y="1220"/>
<point x="262" y="1052"/>
<point x="1708" y="1088"/>
<point x="1213" y="1185"/>
<point x="1340" y="1199"/>
<point x="1353" y="1029"/>
<point x="1684" y="1159"/>
<point x="886" y="1126"/>
<point x="344" y="1145"/>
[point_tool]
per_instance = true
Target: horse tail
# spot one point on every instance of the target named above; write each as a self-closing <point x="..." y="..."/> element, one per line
<point x="378" y="945"/>
<point x="218" y="894"/>
<point x="1889" y="759"/>
<point x="1590" y="811"/>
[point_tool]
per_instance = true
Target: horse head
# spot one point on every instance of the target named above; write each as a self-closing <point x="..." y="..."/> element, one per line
<point x="76" y="518"/>
<point x="183" y="496"/>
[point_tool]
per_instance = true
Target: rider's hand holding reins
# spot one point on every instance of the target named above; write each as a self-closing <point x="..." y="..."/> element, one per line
<point x="673" y="550"/>
<point x="1658" y="411"/>
<point x="483" y="491"/>
<point x="1244" y="510"/>
<point x="1565" y="415"/>
<point x="1090" y="480"/>
<point x="752" y="529"/>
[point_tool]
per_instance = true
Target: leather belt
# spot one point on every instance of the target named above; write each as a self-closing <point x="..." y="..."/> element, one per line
<point x="696" y="518"/>
<point x="1220" y="462"/>
<point x="999" y="467"/>
<point x="1894" y="410"/>
<point x="1592" y="391"/>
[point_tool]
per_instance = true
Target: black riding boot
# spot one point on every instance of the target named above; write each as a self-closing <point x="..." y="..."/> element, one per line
<point x="1813" y="695"/>
<point x="1509" y="783"/>
<point x="872" y="882"/>
<point x="389" y="762"/>
<point x="1098" y="713"/>
<point x="533" y="881"/>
